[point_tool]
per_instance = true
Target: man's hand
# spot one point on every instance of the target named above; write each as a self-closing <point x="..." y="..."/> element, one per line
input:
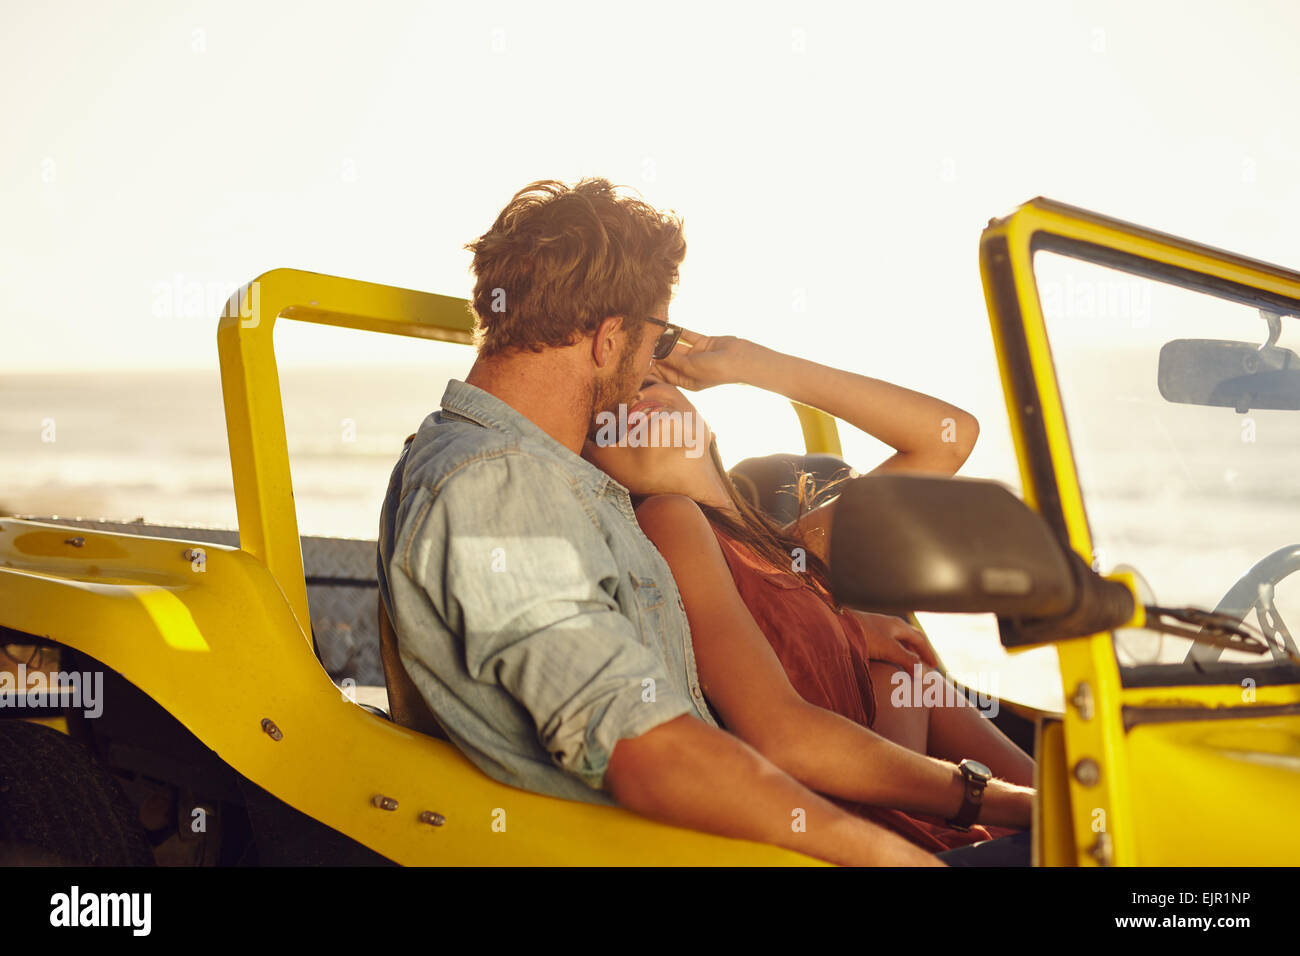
<point x="689" y="774"/>
<point x="894" y="640"/>
<point x="702" y="361"/>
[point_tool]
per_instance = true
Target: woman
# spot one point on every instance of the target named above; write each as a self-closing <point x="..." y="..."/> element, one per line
<point x="805" y="682"/>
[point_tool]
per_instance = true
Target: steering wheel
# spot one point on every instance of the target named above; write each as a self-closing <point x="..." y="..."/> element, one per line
<point x="1255" y="591"/>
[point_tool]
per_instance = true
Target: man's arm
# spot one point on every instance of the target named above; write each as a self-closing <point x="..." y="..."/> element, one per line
<point x="689" y="774"/>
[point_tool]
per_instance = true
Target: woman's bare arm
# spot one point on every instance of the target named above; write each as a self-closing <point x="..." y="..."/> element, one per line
<point x="744" y="680"/>
<point x="928" y="435"/>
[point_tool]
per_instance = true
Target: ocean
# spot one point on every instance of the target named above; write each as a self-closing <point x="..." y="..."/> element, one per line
<point x="153" y="445"/>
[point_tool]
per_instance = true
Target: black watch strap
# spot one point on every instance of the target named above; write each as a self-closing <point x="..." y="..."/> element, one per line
<point x="976" y="777"/>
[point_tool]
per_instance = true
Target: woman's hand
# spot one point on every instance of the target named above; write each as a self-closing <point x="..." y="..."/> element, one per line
<point x="702" y="361"/>
<point x="894" y="640"/>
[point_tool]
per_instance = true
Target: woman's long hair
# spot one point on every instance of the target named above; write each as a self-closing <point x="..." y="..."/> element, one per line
<point x="762" y="534"/>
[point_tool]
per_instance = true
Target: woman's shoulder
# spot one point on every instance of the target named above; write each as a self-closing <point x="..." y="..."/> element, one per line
<point x="672" y="516"/>
<point x="680" y="512"/>
<point x="668" y="507"/>
<point x="676" y="525"/>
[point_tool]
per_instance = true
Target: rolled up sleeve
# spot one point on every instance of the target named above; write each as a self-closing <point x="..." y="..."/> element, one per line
<point x="513" y="562"/>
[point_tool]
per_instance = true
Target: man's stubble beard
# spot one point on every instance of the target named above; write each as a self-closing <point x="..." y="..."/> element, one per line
<point x="620" y="390"/>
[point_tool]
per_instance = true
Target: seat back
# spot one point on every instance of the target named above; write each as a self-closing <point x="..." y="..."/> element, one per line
<point x="406" y="706"/>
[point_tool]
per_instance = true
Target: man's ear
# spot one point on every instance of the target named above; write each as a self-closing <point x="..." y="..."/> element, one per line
<point x="607" y="339"/>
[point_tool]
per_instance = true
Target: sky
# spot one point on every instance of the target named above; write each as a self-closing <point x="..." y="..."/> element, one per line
<point x="834" y="162"/>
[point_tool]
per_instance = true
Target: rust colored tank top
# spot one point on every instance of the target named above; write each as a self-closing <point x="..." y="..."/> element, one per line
<point x="824" y="654"/>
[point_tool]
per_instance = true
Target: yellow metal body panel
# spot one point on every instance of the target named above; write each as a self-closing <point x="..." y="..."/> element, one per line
<point x="1124" y="800"/>
<point x="1217" y="792"/>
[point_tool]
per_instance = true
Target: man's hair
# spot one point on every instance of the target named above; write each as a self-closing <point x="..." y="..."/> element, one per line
<point x="560" y="259"/>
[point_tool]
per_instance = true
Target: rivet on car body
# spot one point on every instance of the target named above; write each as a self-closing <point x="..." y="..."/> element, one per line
<point x="383" y="803"/>
<point x="1103" y="849"/>
<point x="76" y="542"/>
<point x="271" y="729"/>
<point x="1087" y="772"/>
<point x="192" y="554"/>
<point x="1081" y="700"/>
<point x="433" y="819"/>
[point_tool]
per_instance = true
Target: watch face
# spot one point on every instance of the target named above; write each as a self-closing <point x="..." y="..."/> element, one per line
<point x="977" y="770"/>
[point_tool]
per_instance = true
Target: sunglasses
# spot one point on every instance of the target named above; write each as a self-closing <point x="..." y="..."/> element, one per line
<point x="667" y="339"/>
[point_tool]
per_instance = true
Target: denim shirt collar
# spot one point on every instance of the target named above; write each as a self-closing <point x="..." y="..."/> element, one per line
<point x="483" y="408"/>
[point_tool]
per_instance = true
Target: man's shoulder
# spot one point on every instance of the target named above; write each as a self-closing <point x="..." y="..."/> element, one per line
<point x="448" y="451"/>
<point x="445" y="445"/>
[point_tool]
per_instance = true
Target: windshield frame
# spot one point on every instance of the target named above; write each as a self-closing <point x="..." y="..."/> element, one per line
<point x="1039" y="429"/>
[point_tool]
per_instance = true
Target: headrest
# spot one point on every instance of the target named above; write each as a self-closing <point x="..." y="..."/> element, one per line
<point x="770" y="482"/>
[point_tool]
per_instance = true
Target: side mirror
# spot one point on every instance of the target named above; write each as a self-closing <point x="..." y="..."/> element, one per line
<point x="903" y="543"/>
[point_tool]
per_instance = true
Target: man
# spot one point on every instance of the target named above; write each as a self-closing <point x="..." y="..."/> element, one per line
<point x="539" y="625"/>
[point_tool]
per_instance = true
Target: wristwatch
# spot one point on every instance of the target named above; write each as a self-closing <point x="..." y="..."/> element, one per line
<point x="977" y="777"/>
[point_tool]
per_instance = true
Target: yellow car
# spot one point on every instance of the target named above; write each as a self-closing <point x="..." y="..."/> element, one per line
<point x="191" y="720"/>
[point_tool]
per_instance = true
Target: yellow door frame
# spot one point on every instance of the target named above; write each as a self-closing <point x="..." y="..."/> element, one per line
<point x="1090" y="781"/>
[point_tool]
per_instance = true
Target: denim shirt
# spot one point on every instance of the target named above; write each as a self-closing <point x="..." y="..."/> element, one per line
<point x="538" y="622"/>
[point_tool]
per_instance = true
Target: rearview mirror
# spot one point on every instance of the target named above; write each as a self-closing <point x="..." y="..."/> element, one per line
<point x="1229" y="374"/>
<point x="903" y="543"/>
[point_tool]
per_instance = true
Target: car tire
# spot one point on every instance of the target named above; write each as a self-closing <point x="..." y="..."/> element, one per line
<point x="60" y="807"/>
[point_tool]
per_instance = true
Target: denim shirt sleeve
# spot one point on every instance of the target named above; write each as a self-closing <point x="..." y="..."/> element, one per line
<point x="525" y="581"/>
